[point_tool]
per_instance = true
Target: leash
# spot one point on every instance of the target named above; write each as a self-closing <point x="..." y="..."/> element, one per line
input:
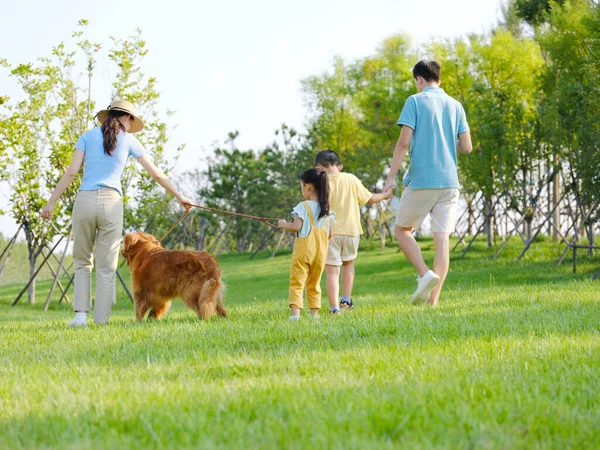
<point x="264" y="220"/>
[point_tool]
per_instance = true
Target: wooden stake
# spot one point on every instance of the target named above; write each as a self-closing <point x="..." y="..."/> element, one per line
<point x="36" y="273"/>
<point x="281" y="236"/>
<point x="57" y="275"/>
<point x="9" y="248"/>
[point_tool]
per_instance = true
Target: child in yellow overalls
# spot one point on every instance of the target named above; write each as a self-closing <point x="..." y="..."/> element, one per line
<point x="310" y="248"/>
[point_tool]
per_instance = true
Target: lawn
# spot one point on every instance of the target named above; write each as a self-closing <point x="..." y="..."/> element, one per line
<point x="510" y="359"/>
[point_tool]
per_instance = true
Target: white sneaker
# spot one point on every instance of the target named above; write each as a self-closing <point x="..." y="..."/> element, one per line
<point x="80" y="320"/>
<point x="426" y="284"/>
<point x="294" y="317"/>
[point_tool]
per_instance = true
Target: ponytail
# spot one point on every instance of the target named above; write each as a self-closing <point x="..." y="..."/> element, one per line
<point x="324" y="195"/>
<point x="110" y="130"/>
<point x="320" y="183"/>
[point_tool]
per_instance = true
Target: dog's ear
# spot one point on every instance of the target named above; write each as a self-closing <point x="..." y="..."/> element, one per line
<point x="130" y="240"/>
<point x="150" y="238"/>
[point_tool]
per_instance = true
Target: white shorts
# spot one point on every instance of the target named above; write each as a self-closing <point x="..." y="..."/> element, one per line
<point x="440" y="204"/>
<point x="342" y="249"/>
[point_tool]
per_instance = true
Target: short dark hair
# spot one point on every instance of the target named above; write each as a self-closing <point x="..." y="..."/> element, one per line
<point x="328" y="158"/>
<point x="429" y="70"/>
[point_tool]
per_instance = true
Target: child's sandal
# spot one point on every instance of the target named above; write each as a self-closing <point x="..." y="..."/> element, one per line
<point x="347" y="304"/>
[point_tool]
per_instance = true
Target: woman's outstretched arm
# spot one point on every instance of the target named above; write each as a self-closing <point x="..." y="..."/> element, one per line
<point x="64" y="182"/>
<point x="160" y="177"/>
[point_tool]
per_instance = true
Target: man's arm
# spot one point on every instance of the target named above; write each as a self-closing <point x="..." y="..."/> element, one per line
<point x="399" y="154"/>
<point x="464" y="144"/>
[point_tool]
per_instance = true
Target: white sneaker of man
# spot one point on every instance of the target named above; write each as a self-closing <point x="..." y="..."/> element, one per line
<point x="426" y="284"/>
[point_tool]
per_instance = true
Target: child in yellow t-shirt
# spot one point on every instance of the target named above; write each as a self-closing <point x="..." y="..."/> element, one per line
<point x="346" y="195"/>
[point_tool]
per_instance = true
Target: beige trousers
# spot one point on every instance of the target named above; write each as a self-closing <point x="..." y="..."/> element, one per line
<point x="97" y="231"/>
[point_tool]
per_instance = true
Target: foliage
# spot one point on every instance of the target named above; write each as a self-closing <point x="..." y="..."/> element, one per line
<point x="535" y="12"/>
<point x="572" y="98"/>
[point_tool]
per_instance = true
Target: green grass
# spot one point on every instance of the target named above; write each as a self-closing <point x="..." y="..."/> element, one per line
<point x="510" y="359"/>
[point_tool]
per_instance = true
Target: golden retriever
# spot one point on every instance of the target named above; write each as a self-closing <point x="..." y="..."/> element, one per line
<point x="159" y="275"/>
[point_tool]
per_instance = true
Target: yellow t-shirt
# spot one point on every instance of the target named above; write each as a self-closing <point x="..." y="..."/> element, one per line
<point x="346" y="195"/>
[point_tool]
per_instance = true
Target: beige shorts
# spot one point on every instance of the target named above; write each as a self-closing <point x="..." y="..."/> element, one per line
<point x="440" y="204"/>
<point x="342" y="249"/>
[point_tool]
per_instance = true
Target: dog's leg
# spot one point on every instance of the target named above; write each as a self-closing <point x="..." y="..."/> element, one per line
<point x="141" y="305"/>
<point x="220" y="294"/>
<point x="140" y="310"/>
<point x="207" y="302"/>
<point x="158" y="311"/>
<point x="221" y="311"/>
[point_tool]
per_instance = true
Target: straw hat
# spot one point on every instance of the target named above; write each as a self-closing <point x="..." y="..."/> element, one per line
<point x="125" y="106"/>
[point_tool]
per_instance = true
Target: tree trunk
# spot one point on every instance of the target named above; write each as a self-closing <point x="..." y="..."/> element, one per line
<point x="201" y="241"/>
<point x="278" y="243"/>
<point x="381" y="226"/>
<point x="488" y="226"/>
<point x="243" y="243"/>
<point x="470" y="218"/>
<point x="555" y="200"/>
<point x="526" y="205"/>
<point x="527" y="230"/>
<point x="31" y="291"/>
<point x="591" y="237"/>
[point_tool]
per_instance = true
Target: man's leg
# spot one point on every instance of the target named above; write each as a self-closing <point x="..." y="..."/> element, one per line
<point x="333" y="285"/>
<point x="411" y="249"/>
<point x="443" y="222"/>
<point x="441" y="263"/>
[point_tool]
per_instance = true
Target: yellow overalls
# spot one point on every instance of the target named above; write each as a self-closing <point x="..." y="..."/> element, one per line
<point x="308" y="263"/>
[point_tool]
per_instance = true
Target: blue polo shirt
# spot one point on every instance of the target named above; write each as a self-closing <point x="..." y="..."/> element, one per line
<point x="102" y="170"/>
<point x="437" y="120"/>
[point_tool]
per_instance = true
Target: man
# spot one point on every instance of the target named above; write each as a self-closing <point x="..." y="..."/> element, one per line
<point x="431" y="122"/>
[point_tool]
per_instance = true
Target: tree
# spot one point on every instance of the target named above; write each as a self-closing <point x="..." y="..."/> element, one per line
<point x="38" y="133"/>
<point x="535" y="12"/>
<point x="151" y="207"/>
<point x="263" y="183"/>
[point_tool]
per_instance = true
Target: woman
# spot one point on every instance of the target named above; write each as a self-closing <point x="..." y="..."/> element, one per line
<point x="98" y="210"/>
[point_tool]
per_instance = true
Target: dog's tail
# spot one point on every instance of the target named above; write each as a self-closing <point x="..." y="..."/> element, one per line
<point x="211" y="299"/>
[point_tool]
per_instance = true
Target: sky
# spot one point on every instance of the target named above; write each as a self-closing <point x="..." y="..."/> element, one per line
<point x="226" y="65"/>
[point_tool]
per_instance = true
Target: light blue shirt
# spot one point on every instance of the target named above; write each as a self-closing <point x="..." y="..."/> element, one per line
<point x="437" y="120"/>
<point x="300" y="211"/>
<point x="102" y="170"/>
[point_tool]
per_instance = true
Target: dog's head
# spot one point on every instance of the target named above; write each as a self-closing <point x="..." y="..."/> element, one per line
<point x="134" y="242"/>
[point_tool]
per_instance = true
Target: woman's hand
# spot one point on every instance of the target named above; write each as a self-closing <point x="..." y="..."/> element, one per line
<point x="48" y="210"/>
<point x="282" y="223"/>
<point x="185" y="202"/>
